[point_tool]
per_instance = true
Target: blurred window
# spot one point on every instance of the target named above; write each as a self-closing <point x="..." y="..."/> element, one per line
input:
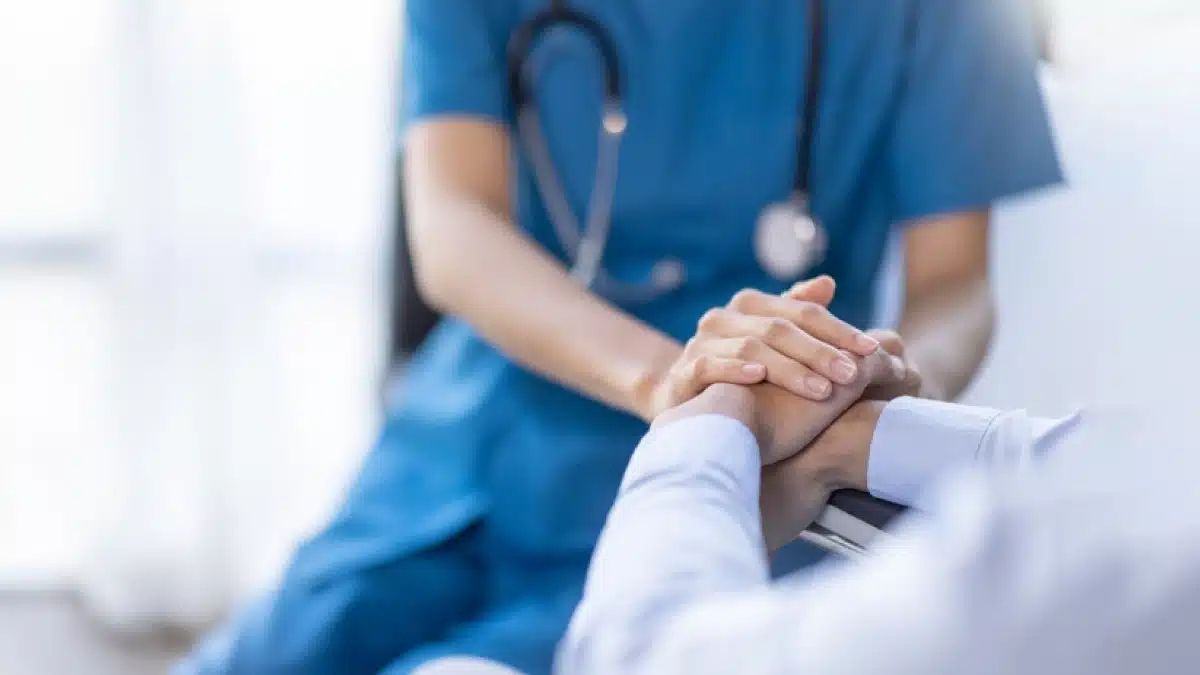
<point x="194" y="196"/>
<point x="57" y="84"/>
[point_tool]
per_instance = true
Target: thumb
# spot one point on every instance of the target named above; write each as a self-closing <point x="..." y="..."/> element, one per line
<point x="819" y="290"/>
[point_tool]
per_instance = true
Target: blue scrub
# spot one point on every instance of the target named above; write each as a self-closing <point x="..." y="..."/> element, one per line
<point x="470" y="525"/>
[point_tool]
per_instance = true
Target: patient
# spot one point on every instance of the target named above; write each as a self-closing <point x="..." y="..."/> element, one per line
<point x="1049" y="562"/>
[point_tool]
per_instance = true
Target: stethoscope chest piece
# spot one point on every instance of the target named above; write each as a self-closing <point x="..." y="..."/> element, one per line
<point x="788" y="241"/>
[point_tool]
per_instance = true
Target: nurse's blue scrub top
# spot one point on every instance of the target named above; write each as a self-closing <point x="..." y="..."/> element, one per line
<point x="927" y="107"/>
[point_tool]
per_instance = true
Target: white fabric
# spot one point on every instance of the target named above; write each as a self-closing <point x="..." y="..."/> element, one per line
<point x="464" y="665"/>
<point x="1016" y="571"/>
<point x="919" y="440"/>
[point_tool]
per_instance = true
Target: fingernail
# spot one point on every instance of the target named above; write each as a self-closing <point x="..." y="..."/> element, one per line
<point x="866" y="342"/>
<point x="753" y="369"/>
<point x="898" y="367"/>
<point x="844" y="370"/>
<point x="816" y="385"/>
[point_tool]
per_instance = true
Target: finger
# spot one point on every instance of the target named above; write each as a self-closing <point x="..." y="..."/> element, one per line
<point x="713" y="321"/>
<point x="890" y="340"/>
<point x="819" y="290"/>
<point x="781" y="370"/>
<point x="813" y="319"/>
<point x="780" y="335"/>
<point x="793" y="344"/>
<point x="707" y="369"/>
<point x="882" y="369"/>
<point x="909" y="386"/>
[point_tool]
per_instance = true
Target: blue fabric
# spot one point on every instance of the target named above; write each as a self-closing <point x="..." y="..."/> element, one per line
<point x="393" y="617"/>
<point x="928" y="106"/>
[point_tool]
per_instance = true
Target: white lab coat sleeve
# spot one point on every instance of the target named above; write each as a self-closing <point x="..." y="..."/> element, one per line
<point x="679" y="580"/>
<point x="685" y="525"/>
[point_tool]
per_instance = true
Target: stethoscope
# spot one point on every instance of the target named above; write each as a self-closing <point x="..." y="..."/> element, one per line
<point x="788" y="238"/>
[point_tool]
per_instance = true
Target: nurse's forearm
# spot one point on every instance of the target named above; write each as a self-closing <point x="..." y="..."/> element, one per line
<point x="523" y="302"/>
<point x="473" y="262"/>
<point x="947" y="334"/>
<point x="948" y="312"/>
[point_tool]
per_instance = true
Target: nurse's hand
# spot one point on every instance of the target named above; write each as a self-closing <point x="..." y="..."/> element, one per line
<point x="911" y="385"/>
<point x="703" y="363"/>
<point x="805" y="348"/>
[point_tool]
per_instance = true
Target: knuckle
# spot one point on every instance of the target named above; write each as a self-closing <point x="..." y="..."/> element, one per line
<point x="870" y="371"/>
<point x="809" y="311"/>
<point x="747" y="348"/>
<point x="744" y="298"/>
<point x="711" y="320"/>
<point x="889" y="340"/>
<point x="914" y="378"/>
<point x="774" y="330"/>
<point x="829" y="354"/>
<point x="690" y="371"/>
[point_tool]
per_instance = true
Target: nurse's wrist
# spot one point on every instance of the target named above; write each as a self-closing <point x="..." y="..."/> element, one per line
<point x="648" y="393"/>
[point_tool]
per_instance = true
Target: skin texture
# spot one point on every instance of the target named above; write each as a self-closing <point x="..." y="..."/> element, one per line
<point x="796" y="489"/>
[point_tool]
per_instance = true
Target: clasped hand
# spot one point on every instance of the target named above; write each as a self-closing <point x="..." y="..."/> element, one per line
<point x="770" y="376"/>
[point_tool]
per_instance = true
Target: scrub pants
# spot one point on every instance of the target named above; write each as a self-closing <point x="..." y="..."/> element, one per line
<point x="454" y="599"/>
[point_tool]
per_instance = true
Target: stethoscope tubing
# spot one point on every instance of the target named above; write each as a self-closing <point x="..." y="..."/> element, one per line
<point x="584" y="245"/>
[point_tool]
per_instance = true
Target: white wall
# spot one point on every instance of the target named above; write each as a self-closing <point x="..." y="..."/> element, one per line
<point x="1097" y="284"/>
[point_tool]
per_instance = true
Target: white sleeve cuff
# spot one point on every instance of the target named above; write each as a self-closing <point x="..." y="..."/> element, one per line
<point x="917" y="440"/>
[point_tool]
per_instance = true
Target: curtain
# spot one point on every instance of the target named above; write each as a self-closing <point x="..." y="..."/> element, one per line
<point x="195" y="288"/>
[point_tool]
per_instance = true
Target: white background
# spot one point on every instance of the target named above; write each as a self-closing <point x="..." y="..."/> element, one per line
<point x="194" y="198"/>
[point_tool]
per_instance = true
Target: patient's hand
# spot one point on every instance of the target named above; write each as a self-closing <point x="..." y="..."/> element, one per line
<point x="911" y="385"/>
<point x="787" y="424"/>
<point x="809" y="449"/>
<point x="796" y="489"/>
<point x="812" y="448"/>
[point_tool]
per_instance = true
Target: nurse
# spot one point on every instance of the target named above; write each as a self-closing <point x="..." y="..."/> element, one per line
<point x="469" y="528"/>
